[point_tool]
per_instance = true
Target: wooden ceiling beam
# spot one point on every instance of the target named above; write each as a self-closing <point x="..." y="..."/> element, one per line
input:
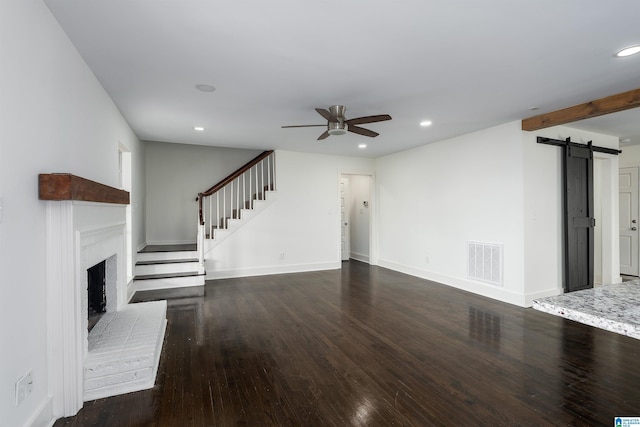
<point x="599" y="107"/>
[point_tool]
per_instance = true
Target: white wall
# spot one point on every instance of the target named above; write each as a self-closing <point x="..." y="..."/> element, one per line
<point x="359" y="215"/>
<point x="495" y="186"/>
<point x="54" y="117"/>
<point x="630" y="156"/>
<point x="176" y="173"/>
<point x="303" y="221"/>
<point x="434" y="199"/>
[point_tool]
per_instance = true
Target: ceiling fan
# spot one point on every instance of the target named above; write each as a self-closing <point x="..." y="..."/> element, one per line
<point x="337" y="124"/>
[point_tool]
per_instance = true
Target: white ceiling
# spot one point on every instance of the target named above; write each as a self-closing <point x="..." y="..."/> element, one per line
<point x="465" y="65"/>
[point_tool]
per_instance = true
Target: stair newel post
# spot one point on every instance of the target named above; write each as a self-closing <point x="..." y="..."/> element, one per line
<point x="224" y="207"/>
<point x="201" y="232"/>
<point x="218" y="209"/>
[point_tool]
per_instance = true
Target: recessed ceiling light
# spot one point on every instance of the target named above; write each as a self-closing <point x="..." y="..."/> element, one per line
<point x="362" y="145"/>
<point x="628" y="51"/>
<point x="198" y="128"/>
<point x="625" y="140"/>
<point x="205" y="88"/>
<point x="534" y="108"/>
<point x="425" y="123"/>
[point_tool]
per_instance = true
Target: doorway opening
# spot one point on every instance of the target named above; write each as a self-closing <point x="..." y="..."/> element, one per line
<point x="356" y="217"/>
<point x="629" y="234"/>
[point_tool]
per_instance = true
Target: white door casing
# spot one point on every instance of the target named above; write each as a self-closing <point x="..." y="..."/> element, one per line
<point x="344" y="218"/>
<point x="628" y="198"/>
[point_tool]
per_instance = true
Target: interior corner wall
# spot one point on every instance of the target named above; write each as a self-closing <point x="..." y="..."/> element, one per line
<point x="434" y="199"/>
<point x="139" y="197"/>
<point x="175" y="174"/>
<point x="302" y="222"/>
<point x="54" y="117"/>
<point x="543" y="208"/>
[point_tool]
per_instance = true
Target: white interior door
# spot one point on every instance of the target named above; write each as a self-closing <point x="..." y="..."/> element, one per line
<point x="628" y="189"/>
<point x="344" y="218"/>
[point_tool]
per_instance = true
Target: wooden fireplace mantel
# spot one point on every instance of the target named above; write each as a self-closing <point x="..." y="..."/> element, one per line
<point x="64" y="186"/>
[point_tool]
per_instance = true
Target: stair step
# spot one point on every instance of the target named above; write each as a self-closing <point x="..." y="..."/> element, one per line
<point x="169" y="266"/>
<point x="166" y="261"/>
<point x="167" y="275"/>
<point x="168" y="281"/>
<point x="166" y="256"/>
<point x="182" y="247"/>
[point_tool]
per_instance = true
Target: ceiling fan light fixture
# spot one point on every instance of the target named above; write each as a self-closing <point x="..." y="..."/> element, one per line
<point x="337" y="128"/>
<point x="628" y="51"/>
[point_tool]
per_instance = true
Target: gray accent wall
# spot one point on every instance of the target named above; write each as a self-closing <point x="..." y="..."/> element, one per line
<point x="175" y="174"/>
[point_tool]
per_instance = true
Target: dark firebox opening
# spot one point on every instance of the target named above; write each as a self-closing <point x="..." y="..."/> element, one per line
<point x="97" y="291"/>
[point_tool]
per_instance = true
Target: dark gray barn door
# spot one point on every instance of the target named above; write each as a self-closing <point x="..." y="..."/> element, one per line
<point x="579" y="221"/>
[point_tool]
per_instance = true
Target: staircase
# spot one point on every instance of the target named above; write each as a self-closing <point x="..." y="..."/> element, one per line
<point x="222" y="209"/>
<point x="229" y="204"/>
<point x="168" y="266"/>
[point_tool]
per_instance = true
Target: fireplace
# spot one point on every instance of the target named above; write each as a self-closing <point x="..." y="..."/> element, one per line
<point x="102" y="289"/>
<point x="96" y="293"/>
<point x="85" y="227"/>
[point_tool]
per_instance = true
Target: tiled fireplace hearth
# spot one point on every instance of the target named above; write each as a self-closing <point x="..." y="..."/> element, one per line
<point x="121" y="352"/>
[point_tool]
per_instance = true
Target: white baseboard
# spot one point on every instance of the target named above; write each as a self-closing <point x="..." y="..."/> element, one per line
<point x="483" y="289"/>
<point x="267" y="271"/>
<point x="359" y="257"/>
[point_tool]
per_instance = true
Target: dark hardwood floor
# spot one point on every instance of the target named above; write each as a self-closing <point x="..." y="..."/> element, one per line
<point x="366" y="346"/>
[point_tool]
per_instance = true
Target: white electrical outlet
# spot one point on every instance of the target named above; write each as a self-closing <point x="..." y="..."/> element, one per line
<point x="24" y="387"/>
<point x="426" y="260"/>
<point x="29" y="385"/>
<point x="281" y="255"/>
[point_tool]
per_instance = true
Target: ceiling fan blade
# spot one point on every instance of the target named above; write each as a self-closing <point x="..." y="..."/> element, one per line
<point x="326" y="114"/>
<point x="368" y="119"/>
<point x="324" y="135"/>
<point x="362" y="131"/>
<point x="302" y="126"/>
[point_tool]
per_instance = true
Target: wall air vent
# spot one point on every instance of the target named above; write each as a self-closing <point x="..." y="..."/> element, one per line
<point x="485" y="262"/>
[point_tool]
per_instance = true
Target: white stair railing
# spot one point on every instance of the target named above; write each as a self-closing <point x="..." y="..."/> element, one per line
<point x="224" y="201"/>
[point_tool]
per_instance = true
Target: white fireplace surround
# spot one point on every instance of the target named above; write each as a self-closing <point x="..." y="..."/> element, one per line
<point x="79" y="235"/>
